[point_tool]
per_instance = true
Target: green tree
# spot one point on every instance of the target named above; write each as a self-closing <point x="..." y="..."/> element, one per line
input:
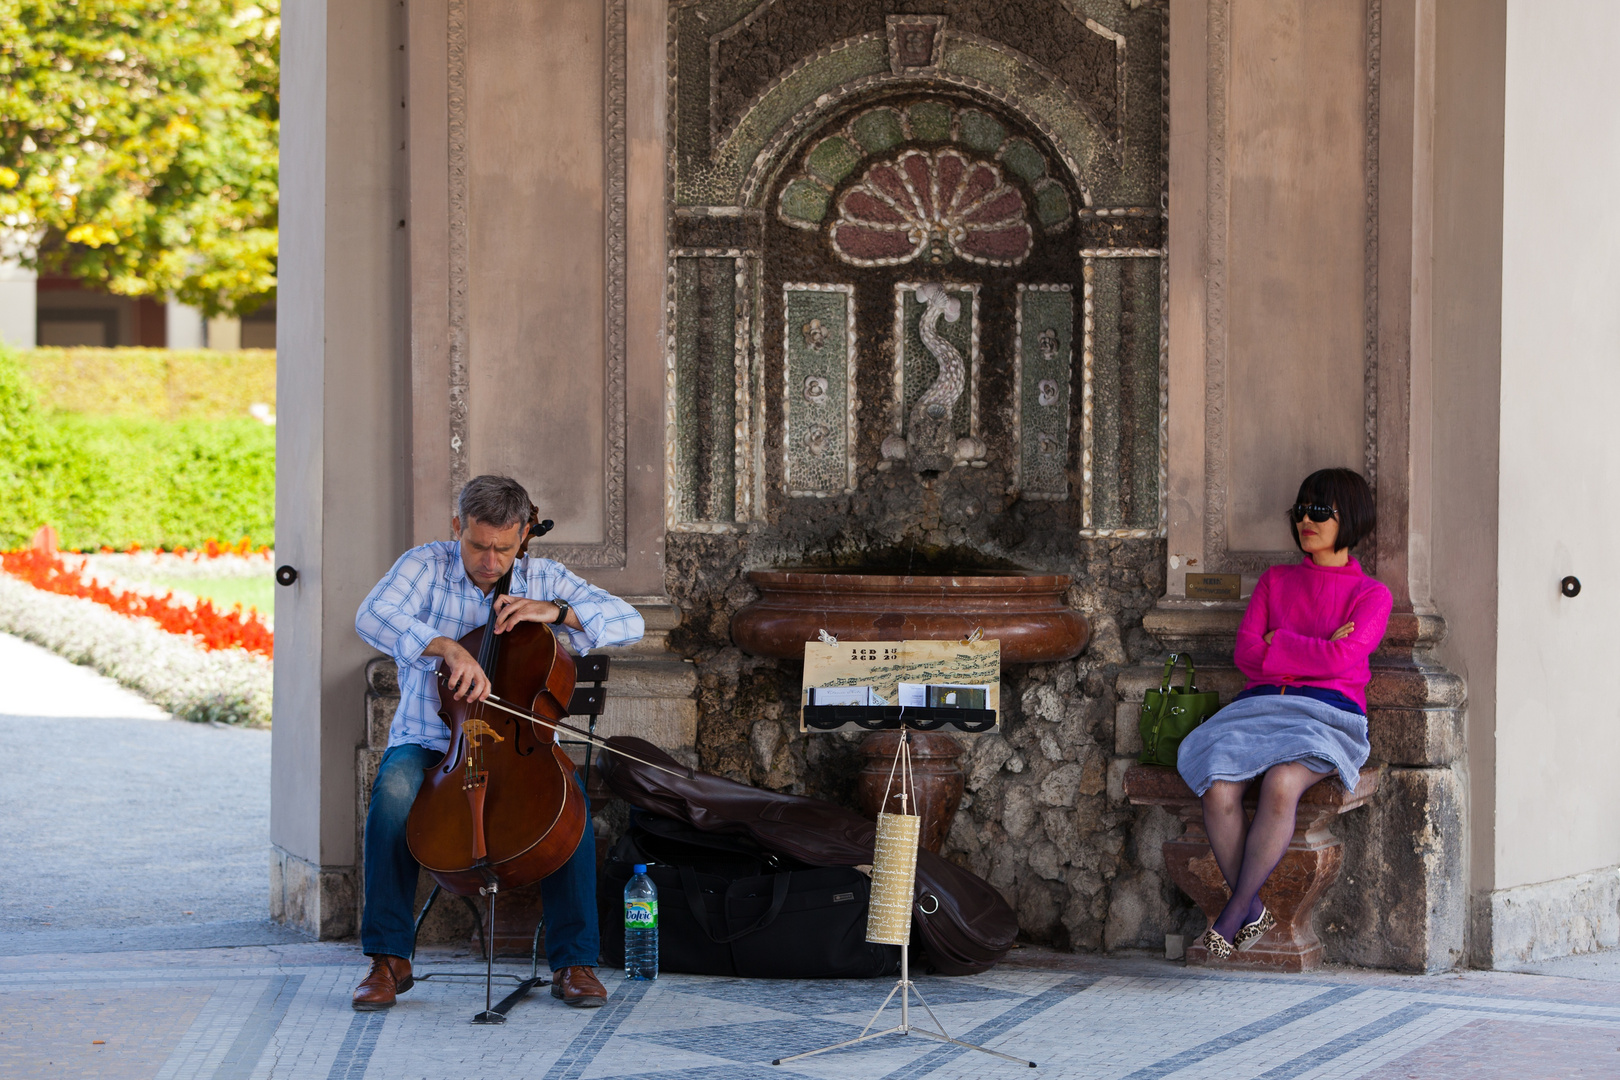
<point x="138" y="144"/>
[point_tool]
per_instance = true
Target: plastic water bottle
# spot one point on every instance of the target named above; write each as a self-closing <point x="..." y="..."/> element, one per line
<point x="640" y="926"/>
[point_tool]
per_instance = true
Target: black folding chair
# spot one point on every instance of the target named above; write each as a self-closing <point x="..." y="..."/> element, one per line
<point x="587" y="701"/>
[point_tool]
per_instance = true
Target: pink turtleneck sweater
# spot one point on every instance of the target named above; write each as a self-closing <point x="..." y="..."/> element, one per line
<point x="1304" y="603"/>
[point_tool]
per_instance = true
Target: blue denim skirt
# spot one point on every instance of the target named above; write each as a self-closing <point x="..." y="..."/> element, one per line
<point x="1249" y="736"/>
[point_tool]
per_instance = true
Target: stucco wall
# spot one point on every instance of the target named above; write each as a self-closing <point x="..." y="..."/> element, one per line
<point x="536" y="257"/>
<point x="537" y="270"/>
<point x="1558" y="749"/>
<point x="1271" y="313"/>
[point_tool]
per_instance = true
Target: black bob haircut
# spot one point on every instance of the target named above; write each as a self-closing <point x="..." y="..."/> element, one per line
<point x="1346" y="491"/>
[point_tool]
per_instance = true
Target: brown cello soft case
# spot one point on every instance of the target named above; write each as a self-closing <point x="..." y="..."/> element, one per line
<point x="958" y="918"/>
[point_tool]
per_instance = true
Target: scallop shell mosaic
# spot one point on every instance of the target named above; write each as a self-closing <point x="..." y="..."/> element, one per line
<point x="934" y="206"/>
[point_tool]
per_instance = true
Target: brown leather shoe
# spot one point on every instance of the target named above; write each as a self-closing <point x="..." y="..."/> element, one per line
<point x="579" y="987"/>
<point x="390" y="976"/>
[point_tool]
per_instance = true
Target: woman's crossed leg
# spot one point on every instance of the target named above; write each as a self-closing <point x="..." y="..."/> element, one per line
<point x="1248" y="852"/>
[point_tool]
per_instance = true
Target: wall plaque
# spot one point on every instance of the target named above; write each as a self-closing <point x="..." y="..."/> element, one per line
<point x="1214" y="586"/>
<point x="1045" y="351"/>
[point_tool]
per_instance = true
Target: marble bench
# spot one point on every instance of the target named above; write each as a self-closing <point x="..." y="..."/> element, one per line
<point x="1311" y="864"/>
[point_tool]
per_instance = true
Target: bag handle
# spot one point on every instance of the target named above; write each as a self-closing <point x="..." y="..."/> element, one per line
<point x="1187" y="686"/>
<point x="1169" y="669"/>
<point x="694" y="900"/>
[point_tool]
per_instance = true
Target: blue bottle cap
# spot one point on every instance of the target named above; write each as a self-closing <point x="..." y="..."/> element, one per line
<point x="641" y="868"/>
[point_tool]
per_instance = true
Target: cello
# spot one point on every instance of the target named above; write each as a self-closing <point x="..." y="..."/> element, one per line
<point x="503" y="808"/>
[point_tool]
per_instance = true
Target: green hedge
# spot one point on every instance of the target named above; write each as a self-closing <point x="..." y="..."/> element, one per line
<point x="119" y="480"/>
<point x="153" y="383"/>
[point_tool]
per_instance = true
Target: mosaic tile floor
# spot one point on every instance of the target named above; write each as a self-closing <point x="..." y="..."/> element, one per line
<point x="283" y="1011"/>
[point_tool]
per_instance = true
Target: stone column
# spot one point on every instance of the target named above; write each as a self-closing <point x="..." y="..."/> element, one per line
<point x="343" y="499"/>
<point x="17" y="302"/>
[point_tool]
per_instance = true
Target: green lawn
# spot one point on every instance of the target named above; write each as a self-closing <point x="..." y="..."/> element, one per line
<point x="257" y="592"/>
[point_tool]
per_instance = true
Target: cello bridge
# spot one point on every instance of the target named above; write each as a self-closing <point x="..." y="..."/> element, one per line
<point x="476" y="728"/>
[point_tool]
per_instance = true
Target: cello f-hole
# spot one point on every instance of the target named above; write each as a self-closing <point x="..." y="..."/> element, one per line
<point x="451" y="755"/>
<point x="517" y="737"/>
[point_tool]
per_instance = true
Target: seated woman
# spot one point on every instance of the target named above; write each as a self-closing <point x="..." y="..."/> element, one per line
<point x="1304" y="644"/>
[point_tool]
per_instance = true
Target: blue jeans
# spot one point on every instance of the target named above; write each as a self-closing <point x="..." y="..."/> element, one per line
<point x="387" y="926"/>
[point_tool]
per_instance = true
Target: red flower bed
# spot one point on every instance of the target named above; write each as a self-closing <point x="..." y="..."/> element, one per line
<point x="234" y="629"/>
<point x="213" y="549"/>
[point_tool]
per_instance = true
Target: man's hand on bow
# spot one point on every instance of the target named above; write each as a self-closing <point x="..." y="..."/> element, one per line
<point x="460" y="669"/>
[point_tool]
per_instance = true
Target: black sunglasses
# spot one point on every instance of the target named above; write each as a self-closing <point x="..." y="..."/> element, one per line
<point x="1315" y="511"/>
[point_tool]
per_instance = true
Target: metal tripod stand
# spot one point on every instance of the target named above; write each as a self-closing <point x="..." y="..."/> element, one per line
<point x="905" y="988"/>
<point x="493" y="1013"/>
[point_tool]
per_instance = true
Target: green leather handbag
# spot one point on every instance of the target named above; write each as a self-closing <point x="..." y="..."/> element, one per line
<point x="1168" y="714"/>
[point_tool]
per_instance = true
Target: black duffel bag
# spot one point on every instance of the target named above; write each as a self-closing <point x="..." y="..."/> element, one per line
<point x="728" y="907"/>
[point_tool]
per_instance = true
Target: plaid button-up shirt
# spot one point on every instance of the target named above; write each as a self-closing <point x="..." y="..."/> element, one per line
<point x="427" y="594"/>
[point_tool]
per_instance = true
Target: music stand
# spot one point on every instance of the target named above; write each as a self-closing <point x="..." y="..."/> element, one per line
<point x="904" y="987"/>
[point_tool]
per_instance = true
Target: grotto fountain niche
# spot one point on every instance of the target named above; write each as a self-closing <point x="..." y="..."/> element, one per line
<point x="915" y="342"/>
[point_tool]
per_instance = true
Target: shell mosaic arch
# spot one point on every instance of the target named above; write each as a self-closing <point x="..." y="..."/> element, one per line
<point x="964" y="198"/>
<point x="961" y="224"/>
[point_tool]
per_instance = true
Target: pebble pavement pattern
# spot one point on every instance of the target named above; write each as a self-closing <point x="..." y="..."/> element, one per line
<point x="118" y="986"/>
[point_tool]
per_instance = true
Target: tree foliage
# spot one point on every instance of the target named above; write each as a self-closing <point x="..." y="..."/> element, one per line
<point x="138" y="144"/>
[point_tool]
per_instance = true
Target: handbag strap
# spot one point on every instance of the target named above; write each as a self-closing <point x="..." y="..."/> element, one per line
<point x="1169" y="670"/>
<point x="694" y="900"/>
<point x="1187" y="686"/>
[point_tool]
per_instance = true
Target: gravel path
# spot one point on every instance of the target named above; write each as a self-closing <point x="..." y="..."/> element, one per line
<point x="120" y="822"/>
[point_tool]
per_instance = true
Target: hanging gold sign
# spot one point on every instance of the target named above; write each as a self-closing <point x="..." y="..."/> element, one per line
<point x="894" y="875"/>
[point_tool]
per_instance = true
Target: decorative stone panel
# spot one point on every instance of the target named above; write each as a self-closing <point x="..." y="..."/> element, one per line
<point x="1045" y="344"/>
<point x="743" y="75"/>
<point x="916" y="368"/>
<point x="936" y="206"/>
<point x="777" y="110"/>
<point x="915" y="42"/>
<point x="1124" y="399"/>
<point x="907" y="196"/>
<point x="818" y="426"/>
<point x="708" y="367"/>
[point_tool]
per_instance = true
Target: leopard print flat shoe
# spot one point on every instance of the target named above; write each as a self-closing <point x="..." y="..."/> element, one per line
<point x="1252" y="932"/>
<point x="1218" y="947"/>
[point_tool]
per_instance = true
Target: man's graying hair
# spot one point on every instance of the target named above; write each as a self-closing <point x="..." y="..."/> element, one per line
<point x="495" y="500"/>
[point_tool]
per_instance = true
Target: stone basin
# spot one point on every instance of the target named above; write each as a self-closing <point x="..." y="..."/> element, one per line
<point x="1024" y="611"/>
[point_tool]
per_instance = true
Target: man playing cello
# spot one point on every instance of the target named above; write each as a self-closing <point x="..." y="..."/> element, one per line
<point x="417" y="613"/>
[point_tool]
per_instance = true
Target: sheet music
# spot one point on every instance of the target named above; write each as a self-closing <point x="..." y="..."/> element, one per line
<point x="884" y="665"/>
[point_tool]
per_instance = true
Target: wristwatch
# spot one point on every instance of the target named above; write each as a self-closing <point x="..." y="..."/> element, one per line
<point x="563" y="608"/>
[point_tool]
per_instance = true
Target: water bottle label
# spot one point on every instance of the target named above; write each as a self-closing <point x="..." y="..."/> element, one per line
<point x="641" y="914"/>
